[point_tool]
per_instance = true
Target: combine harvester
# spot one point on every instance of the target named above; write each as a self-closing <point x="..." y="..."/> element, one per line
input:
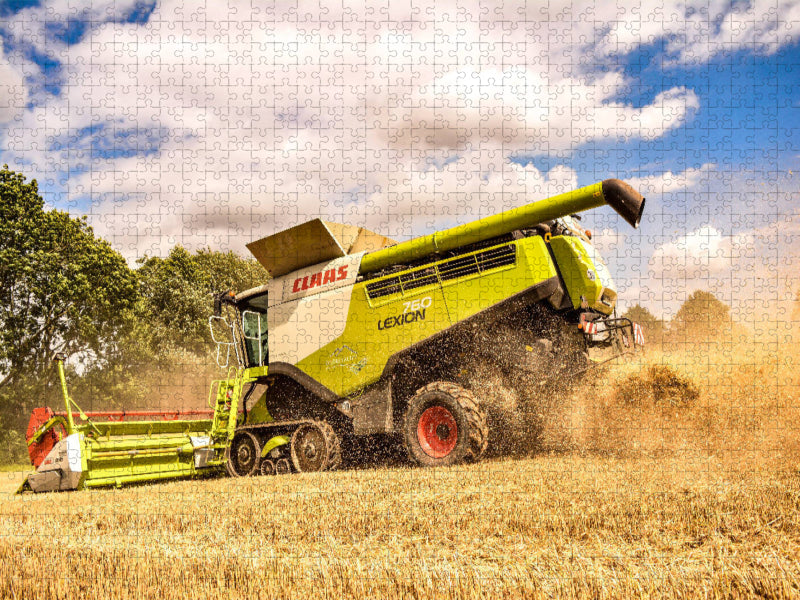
<point x="357" y="335"/>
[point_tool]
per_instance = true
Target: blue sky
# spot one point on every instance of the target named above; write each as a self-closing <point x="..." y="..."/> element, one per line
<point x="170" y="126"/>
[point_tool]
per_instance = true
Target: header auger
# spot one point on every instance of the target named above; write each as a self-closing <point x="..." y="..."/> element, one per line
<point x="357" y="335"/>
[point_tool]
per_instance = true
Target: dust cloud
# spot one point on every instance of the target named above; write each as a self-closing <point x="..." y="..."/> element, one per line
<point x="736" y="401"/>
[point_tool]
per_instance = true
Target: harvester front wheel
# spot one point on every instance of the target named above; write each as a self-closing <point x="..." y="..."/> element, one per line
<point x="244" y="455"/>
<point x="445" y="425"/>
<point x="315" y="447"/>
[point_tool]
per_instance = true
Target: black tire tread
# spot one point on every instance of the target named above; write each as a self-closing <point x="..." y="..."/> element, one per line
<point x="334" y="446"/>
<point x="332" y="442"/>
<point x="231" y="471"/>
<point x="476" y="417"/>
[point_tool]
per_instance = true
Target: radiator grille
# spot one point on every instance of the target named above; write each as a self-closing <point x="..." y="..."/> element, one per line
<point x="447" y="270"/>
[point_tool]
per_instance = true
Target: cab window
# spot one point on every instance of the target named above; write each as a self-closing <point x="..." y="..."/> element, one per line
<point x="255" y="329"/>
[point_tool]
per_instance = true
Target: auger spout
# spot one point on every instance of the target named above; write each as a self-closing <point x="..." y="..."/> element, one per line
<point x="617" y="194"/>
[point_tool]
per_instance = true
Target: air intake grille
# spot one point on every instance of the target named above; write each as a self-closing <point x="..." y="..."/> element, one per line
<point x="447" y="270"/>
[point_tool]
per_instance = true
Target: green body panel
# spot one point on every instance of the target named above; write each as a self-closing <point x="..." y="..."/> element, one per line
<point x="467" y="296"/>
<point x="129" y="451"/>
<point x="175" y="471"/>
<point x="380" y="327"/>
<point x="116" y="461"/>
<point x="357" y="357"/>
<point x="150" y="430"/>
<point x="275" y="442"/>
<point x="580" y="274"/>
<point x="258" y="413"/>
<point x="255" y="372"/>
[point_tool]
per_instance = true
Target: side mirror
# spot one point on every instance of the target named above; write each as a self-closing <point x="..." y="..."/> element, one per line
<point x="227" y="297"/>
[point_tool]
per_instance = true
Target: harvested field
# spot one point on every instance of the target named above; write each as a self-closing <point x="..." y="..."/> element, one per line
<point x="550" y="526"/>
<point x="640" y="487"/>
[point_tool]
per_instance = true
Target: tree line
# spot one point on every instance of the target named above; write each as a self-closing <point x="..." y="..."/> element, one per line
<point x="702" y="318"/>
<point x="65" y="290"/>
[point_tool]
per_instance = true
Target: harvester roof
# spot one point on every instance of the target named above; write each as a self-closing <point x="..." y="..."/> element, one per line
<point x="312" y="243"/>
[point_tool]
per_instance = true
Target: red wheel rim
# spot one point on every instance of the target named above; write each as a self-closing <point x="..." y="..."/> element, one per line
<point x="437" y="431"/>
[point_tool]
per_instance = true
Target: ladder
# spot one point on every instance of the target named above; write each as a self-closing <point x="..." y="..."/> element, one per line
<point x="226" y="407"/>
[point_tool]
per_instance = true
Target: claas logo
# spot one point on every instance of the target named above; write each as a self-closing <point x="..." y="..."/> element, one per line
<point x="319" y="279"/>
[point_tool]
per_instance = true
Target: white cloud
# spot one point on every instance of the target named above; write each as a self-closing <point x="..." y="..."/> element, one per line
<point x="609" y="242"/>
<point x="13" y="94"/>
<point x="701" y="29"/>
<point x="668" y="182"/>
<point x="241" y="125"/>
<point x="704" y="255"/>
<point x="754" y="271"/>
<point x="269" y="119"/>
<point x="402" y="203"/>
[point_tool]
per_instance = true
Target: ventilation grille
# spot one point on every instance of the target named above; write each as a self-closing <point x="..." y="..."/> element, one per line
<point x="448" y="270"/>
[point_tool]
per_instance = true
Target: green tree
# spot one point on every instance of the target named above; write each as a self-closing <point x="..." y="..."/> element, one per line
<point x="167" y="333"/>
<point x="173" y="291"/>
<point x="701" y="318"/>
<point x="229" y="271"/>
<point x="652" y="327"/>
<point x="63" y="289"/>
<point x="177" y="293"/>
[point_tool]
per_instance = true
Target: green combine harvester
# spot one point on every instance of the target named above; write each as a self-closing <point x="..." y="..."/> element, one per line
<point x="356" y="335"/>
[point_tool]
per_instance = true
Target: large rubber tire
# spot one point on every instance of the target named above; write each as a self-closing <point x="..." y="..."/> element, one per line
<point x="244" y="455"/>
<point x="321" y="441"/>
<point x="444" y="425"/>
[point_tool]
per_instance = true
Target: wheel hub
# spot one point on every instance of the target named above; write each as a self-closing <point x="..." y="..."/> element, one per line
<point x="243" y="455"/>
<point x="437" y="431"/>
<point x="310" y="450"/>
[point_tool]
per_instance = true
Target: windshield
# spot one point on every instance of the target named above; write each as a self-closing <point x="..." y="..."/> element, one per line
<point x="255" y="329"/>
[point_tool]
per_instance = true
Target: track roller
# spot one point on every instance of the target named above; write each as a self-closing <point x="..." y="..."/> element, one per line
<point x="315" y="447"/>
<point x="282" y="466"/>
<point x="244" y="455"/>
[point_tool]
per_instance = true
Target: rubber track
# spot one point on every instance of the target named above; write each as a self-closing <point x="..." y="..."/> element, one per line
<point x="476" y="416"/>
<point x="332" y="442"/>
<point x="331" y="439"/>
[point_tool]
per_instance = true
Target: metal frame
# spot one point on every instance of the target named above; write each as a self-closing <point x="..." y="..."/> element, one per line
<point x="610" y="332"/>
<point x="228" y="344"/>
